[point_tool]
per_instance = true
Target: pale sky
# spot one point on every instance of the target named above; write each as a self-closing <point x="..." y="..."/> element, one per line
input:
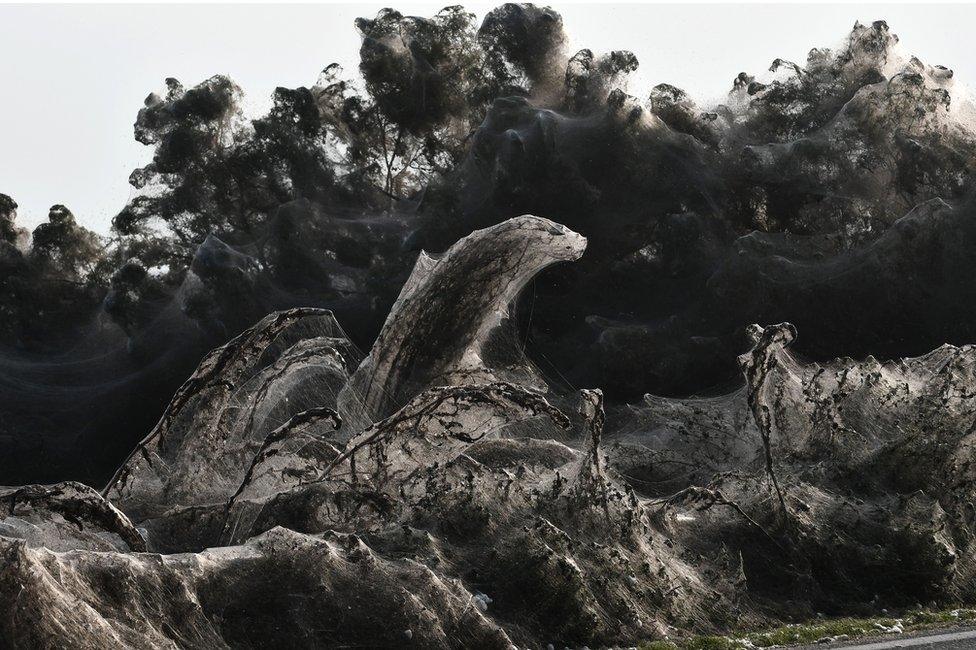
<point x="74" y="76"/>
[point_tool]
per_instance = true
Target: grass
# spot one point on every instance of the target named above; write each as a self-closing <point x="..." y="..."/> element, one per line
<point x="812" y="632"/>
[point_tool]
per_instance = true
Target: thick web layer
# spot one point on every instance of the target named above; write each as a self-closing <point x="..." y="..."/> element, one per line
<point x="490" y="514"/>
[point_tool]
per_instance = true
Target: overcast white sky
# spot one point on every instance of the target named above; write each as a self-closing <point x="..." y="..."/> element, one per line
<point x="73" y="77"/>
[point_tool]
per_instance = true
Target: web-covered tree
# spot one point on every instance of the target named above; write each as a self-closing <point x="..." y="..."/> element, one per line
<point x="426" y="84"/>
<point x="10" y="233"/>
<point x="421" y="77"/>
<point x="189" y="185"/>
<point x="215" y="173"/>
<point x="66" y="252"/>
<point x="50" y="282"/>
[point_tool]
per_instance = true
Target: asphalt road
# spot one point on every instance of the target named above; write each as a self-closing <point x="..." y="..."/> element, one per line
<point x="949" y="639"/>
